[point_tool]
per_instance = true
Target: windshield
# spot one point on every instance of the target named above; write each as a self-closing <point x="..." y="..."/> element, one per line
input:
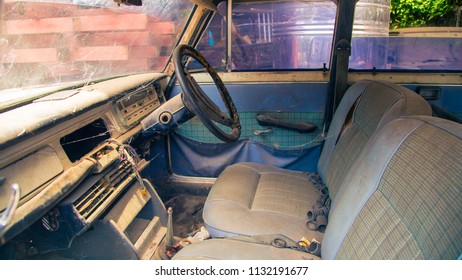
<point x="45" y="43"/>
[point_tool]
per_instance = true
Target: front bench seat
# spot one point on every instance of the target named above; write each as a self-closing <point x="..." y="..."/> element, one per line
<point x="403" y="200"/>
<point x="254" y="199"/>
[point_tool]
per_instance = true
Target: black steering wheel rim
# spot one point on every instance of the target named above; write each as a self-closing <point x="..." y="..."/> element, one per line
<point x="197" y="102"/>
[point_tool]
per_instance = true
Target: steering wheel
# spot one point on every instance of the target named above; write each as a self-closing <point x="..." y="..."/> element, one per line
<point x="197" y="101"/>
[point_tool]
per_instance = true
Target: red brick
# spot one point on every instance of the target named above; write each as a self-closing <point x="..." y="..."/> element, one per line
<point x="63" y="69"/>
<point x="94" y="11"/>
<point x="158" y="63"/>
<point x="98" y="68"/>
<point x="36" y="10"/>
<point x="70" y="40"/>
<point x="163" y="40"/>
<point x="39" y="26"/>
<point x="162" y="28"/>
<point x="32" y="41"/>
<point x="143" y="52"/>
<point x="132" y="65"/>
<point x="33" y="55"/>
<point x="111" y="22"/>
<point x="82" y="69"/>
<point x="112" y="67"/>
<point x="134" y="38"/>
<point x="99" y="53"/>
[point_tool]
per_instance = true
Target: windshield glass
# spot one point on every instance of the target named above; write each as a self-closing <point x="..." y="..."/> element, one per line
<point x="45" y="43"/>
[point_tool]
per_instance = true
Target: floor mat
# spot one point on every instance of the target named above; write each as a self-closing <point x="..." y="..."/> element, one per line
<point x="187" y="214"/>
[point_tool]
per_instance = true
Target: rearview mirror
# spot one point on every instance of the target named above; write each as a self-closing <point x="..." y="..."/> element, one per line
<point x="129" y="2"/>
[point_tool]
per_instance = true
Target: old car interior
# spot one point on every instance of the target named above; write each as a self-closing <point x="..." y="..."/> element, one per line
<point x="241" y="129"/>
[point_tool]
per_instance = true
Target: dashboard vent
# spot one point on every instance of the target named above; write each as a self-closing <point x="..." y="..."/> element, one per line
<point x="103" y="188"/>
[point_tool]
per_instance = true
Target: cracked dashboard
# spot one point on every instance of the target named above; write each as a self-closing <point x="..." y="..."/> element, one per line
<point x="60" y="148"/>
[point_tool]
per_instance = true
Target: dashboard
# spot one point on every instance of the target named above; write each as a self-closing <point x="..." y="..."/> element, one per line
<point x="68" y="154"/>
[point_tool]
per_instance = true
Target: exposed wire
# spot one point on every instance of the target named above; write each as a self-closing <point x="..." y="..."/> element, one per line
<point x="128" y="154"/>
<point x="87" y="138"/>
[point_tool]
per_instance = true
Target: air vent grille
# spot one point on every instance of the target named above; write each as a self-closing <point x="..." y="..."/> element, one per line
<point x="103" y="188"/>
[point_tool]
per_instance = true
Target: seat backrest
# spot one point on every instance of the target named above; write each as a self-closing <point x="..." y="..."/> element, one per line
<point x="404" y="198"/>
<point x="366" y="107"/>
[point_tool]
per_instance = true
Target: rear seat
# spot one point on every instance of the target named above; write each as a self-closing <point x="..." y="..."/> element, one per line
<point x="402" y="200"/>
<point x="255" y="199"/>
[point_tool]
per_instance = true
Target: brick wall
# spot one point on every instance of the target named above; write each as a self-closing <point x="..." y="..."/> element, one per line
<point x="44" y="41"/>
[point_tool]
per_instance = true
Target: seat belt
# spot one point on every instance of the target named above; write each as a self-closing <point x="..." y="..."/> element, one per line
<point x="343" y="49"/>
<point x="281" y="241"/>
<point x="317" y="216"/>
<point x="342" y="57"/>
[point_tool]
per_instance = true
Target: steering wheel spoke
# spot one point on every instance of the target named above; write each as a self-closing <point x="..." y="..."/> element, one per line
<point x="197" y="101"/>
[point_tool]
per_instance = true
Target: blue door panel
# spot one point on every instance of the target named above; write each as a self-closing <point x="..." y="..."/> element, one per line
<point x="450" y="98"/>
<point x="196" y="152"/>
<point x="290" y="97"/>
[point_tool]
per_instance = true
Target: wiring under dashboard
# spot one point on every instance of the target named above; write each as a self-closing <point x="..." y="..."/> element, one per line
<point x="128" y="154"/>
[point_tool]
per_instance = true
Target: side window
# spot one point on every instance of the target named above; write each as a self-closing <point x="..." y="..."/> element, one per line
<point x="272" y="35"/>
<point x="213" y="43"/>
<point x="405" y="41"/>
<point x="298" y="35"/>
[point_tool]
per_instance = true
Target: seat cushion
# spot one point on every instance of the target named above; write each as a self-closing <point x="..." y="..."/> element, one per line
<point x="229" y="249"/>
<point x="251" y="199"/>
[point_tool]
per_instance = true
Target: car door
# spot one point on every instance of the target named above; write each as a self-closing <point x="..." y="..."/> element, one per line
<point x="277" y="69"/>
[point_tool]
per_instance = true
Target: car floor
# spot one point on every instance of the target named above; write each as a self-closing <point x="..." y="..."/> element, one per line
<point x="187" y="214"/>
